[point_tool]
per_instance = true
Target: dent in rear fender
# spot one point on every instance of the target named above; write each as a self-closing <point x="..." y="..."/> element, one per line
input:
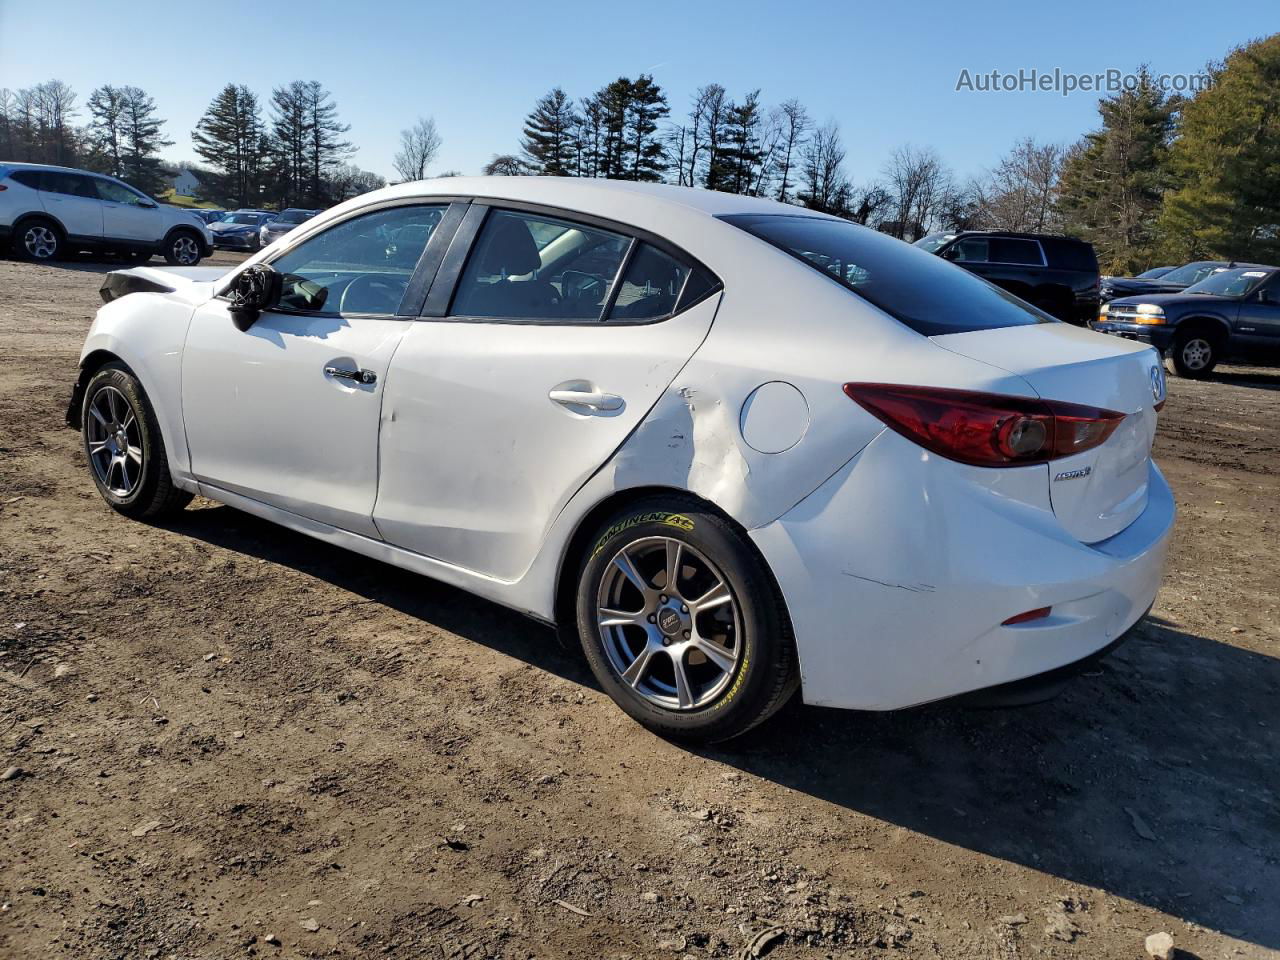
<point x="902" y="603"/>
<point x="147" y="331"/>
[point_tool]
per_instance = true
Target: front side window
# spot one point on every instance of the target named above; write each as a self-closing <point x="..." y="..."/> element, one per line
<point x="531" y="267"/>
<point x="971" y="250"/>
<point x="1012" y="250"/>
<point x="117" y="193"/>
<point x="361" y="265"/>
<point x="920" y="290"/>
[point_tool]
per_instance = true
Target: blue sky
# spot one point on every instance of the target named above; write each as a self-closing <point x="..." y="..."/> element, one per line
<point x="886" y="72"/>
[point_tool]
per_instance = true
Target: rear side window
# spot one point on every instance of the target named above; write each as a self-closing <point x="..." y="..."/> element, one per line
<point x="69" y="184"/>
<point x="531" y="267"/>
<point x="651" y="286"/>
<point x="924" y="292"/>
<point x="28" y="178"/>
<point x="1070" y="254"/>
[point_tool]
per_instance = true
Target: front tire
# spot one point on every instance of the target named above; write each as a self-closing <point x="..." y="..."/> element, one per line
<point x="39" y="240"/>
<point x="125" y="450"/>
<point x="182" y="250"/>
<point x="682" y="623"/>
<point x="1194" y="354"/>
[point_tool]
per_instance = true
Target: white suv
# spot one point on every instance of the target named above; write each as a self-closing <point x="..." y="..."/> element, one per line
<point x="49" y="211"/>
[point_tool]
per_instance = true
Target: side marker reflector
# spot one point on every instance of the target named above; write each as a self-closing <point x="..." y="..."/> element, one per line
<point x="1037" y="614"/>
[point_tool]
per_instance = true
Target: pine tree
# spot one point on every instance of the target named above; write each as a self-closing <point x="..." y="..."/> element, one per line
<point x="646" y="106"/>
<point x="290" y="136"/>
<point x="742" y="151"/>
<point x="325" y="148"/>
<point x="1112" y="180"/>
<point x="231" y="139"/>
<point x="106" y="141"/>
<point x="1225" y="163"/>
<point x="548" y="143"/>
<point x="142" y="141"/>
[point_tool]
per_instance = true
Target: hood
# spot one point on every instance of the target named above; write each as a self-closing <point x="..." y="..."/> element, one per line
<point x="1127" y="285"/>
<point x="224" y="227"/>
<point x="1163" y="299"/>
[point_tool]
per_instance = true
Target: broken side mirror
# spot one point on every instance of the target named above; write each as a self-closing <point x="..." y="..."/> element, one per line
<point x="254" y="290"/>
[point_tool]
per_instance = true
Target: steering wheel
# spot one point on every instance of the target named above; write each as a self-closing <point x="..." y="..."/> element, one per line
<point x="374" y="294"/>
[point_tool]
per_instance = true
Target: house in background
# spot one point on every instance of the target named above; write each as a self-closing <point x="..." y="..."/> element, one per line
<point x="185" y="183"/>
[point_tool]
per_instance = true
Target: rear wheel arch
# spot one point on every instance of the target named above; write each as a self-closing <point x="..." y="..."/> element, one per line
<point x="580" y="542"/>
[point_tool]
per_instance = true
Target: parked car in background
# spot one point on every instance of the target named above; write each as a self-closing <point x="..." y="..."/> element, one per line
<point x="1057" y="274"/>
<point x="1153" y="274"/>
<point x="1179" y="278"/>
<point x="47" y="212"/>
<point x="209" y="216"/>
<point x="1232" y="314"/>
<point x="288" y="219"/>
<point x="738" y="447"/>
<point x="238" y="230"/>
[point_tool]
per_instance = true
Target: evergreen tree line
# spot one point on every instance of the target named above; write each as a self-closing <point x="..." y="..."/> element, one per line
<point x="293" y="155"/>
<point x="1163" y="178"/>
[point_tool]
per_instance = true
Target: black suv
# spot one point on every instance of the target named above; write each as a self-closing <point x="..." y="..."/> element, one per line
<point x="1057" y="274"/>
<point x="1231" y="314"/>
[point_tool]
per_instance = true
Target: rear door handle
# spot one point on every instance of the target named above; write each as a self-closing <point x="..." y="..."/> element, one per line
<point x="359" y="376"/>
<point x="594" y="399"/>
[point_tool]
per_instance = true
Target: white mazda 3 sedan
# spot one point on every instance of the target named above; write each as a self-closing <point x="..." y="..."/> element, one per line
<point x="737" y="447"/>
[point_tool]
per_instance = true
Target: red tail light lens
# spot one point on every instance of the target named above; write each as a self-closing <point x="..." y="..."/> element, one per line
<point x="986" y="429"/>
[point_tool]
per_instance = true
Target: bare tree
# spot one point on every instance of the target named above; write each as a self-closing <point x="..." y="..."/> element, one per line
<point x="418" y="148"/>
<point x="504" y="165"/>
<point x="1019" y="194"/>
<point x="919" y="185"/>
<point x="792" y="123"/>
<point x="825" y="186"/>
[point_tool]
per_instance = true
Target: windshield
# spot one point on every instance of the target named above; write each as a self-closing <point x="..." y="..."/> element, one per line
<point x="252" y="219"/>
<point x="928" y="294"/>
<point x="293" y="216"/>
<point x="1153" y="273"/>
<point x="1192" y="273"/>
<point x="1229" y="283"/>
<point x="933" y="241"/>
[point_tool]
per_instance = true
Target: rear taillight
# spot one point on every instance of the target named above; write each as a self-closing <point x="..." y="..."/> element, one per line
<point x="986" y="429"/>
<point x="3" y="187"/>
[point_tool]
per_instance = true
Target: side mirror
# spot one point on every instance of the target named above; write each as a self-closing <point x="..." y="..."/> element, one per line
<point x="148" y="204"/>
<point x="255" y="289"/>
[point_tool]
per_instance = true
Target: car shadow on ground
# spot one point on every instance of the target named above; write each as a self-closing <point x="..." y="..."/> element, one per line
<point x="1260" y="377"/>
<point x="1152" y="777"/>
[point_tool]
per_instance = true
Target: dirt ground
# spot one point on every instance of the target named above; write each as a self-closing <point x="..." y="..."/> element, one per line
<point x="235" y="741"/>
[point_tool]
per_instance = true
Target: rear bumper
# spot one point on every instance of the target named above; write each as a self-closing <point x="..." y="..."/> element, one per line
<point x="899" y="572"/>
<point x="1159" y="336"/>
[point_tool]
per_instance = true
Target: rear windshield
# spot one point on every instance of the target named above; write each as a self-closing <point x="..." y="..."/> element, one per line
<point x="293" y="216"/>
<point x="928" y="294"/>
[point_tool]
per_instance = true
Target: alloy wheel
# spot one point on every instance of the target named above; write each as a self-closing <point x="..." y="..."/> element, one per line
<point x="114" y="439"/>
<point x="185" y="251"/>
<point x="670" y="625"/>
<point x="40" y="242"/>
<point x="1196" y="353"/>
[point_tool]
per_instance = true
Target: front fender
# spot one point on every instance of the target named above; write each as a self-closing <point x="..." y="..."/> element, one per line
<point x="145" y="331"/>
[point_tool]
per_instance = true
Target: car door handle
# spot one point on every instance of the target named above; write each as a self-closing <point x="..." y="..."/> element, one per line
<point x="359" y="376"/>
<point x="587" y="398"/>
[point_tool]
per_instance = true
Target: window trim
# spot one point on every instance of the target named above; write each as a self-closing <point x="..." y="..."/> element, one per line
<point x="420" y="277"/>
<point x="440" y="297"/>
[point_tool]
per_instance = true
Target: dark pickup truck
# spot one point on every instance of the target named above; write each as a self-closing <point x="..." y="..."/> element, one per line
<point x="1057" y="274"/>
<point x="1229" y="315"/>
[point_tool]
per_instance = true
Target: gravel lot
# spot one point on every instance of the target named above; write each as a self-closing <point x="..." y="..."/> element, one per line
<point x="234" y="741"/>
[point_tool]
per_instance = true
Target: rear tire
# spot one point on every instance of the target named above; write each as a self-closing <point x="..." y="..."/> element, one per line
<point x="125" y="450"/>
<point x="1195" y="353"/>
<point x="705" y="658"/>
<point x="39" y="239"/>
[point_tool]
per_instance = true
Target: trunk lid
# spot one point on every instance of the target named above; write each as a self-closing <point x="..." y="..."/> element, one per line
<point x="1097" y="493"/>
